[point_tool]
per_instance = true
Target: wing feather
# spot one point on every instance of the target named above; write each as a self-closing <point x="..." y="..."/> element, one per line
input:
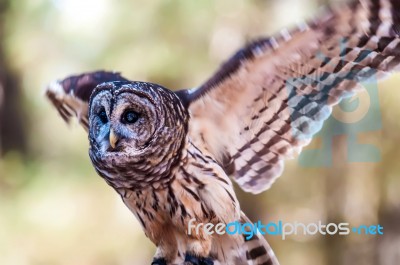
<point x="71" y="95"/>
<point x="271" y="97"/>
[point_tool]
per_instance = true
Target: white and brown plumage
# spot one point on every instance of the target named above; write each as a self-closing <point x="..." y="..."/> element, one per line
<point x="169" y="154"/>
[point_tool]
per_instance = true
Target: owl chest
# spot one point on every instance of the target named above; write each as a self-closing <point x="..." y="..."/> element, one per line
<point x="173" y="206"/>
<point x="147" y="205"/>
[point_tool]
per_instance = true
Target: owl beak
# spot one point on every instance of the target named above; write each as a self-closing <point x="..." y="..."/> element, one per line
<point x="113" y="138"/>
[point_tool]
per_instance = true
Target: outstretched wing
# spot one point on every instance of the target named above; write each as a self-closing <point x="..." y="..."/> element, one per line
<point x="71" y="95"/>
<point x="269" y="99"/>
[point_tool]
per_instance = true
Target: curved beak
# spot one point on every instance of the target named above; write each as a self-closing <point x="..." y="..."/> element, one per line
<point x="113" y="138"/>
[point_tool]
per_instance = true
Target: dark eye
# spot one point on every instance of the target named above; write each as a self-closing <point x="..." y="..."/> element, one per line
<point x="103" y="116"/>
<point x="129" y="117"/>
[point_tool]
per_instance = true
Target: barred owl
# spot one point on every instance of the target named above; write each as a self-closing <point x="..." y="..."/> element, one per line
<point x="170" y="155"/>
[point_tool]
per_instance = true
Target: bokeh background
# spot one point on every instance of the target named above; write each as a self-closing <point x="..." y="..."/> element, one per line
<point x="55" y="210"/>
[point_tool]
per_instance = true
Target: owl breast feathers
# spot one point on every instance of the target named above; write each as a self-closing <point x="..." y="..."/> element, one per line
<point x="169" y="154"/>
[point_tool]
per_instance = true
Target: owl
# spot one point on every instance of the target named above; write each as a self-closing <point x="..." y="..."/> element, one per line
<point x="172" y="156"/>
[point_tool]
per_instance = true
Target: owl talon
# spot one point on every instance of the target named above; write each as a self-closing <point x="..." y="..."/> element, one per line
<point x="159" y="261"/>
<point x="193" y="260"/>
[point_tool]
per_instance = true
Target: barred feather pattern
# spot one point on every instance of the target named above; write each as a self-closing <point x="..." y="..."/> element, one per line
<point x="267" y="101"/>
<point x="201" y="190"/>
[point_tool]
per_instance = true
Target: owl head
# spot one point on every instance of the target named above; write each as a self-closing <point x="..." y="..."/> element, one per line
<point x="136" y="132"/>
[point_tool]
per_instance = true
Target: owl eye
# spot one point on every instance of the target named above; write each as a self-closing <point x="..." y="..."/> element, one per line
<point x="103" y="116"/>
<point x="129" y="117"/>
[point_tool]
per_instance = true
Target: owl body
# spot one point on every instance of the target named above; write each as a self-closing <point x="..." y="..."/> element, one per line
<point x="170" y="155"/>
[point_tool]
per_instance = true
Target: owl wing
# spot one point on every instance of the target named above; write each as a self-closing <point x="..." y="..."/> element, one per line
<point x="71" y="95"/>
<point x="265" y="103"/>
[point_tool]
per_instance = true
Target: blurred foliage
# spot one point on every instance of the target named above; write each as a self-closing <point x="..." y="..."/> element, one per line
<point x="53" y="207"/>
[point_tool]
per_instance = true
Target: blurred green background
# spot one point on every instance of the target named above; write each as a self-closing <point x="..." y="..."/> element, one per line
<point x="54" y="209"/>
